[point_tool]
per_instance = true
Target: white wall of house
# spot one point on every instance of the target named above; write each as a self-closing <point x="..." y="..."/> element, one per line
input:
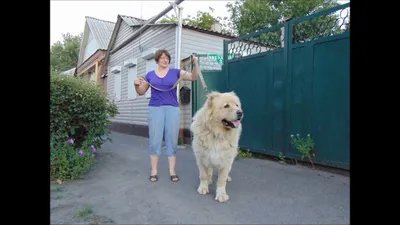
<point x="124" y="32"/>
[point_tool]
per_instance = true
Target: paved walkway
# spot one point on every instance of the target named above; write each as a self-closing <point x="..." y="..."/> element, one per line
<point x="117" y="190"/>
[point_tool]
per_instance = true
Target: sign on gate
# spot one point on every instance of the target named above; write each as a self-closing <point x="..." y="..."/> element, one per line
<point x="219" y="58"/>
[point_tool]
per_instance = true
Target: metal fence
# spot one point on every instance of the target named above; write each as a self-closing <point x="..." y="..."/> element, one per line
<point x="292" y="78"/>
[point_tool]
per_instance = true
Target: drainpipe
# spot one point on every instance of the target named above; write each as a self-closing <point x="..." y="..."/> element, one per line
<point x="96" y="71"/>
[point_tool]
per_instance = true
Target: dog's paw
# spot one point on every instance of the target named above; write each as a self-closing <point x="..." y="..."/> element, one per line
<point x="229" y="179"/>
<point x="221" y="196"/>
<point x="202" y="189"/>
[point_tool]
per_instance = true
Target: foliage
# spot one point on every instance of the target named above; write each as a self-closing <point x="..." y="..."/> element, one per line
<point x="281" y="157"/>
<point x="304" y="145"/>
<point x="78" y="111"/>
<point x="67" y="161"/>
<point x="202" y="19"/>
<point x="77" y="107"/>
<point x="64" y="55"/>
<point x="243" y="153"/>
<point x="251" y="15"/>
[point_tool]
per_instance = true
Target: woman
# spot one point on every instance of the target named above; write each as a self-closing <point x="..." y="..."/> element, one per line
<point x="164" y="111"/>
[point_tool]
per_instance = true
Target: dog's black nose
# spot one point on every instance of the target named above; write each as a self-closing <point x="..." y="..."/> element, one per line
<point x="239" y="113"/>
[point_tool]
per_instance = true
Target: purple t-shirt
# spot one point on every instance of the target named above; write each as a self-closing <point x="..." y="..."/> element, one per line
<point x="159" y="98"/>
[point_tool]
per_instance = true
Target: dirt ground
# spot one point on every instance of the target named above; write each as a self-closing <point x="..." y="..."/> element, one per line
<point x="117" y="191"/>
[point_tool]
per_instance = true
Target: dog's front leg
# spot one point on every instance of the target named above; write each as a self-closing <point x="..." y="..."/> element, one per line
<point x="210" y="174"/>
<point x="221" y="195"/>
<point x="203" y="187"/>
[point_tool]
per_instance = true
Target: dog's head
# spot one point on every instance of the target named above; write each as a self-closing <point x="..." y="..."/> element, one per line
<point x="225" y="108"/>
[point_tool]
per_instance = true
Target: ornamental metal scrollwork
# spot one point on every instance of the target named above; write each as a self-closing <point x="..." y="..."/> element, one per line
<point x="322" y="26"/>
<point x="256" y="43"/>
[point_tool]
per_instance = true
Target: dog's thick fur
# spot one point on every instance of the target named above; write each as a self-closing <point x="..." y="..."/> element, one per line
<point x="216" y="139"/>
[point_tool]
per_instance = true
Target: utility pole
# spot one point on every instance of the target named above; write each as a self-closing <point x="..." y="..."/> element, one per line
<point x="178" y="39"/>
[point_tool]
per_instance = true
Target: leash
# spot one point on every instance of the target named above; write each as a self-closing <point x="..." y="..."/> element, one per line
<point x="201" y="76"/>
<point x="180" y="78"/>
<point x="176" y="84"/>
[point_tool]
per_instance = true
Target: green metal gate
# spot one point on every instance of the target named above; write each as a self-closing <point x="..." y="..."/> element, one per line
<point x="293" y="78"/>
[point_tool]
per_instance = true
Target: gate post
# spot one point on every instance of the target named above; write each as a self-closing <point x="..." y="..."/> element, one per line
<point x="288" y="72"/>
<point x="225" y="65"/>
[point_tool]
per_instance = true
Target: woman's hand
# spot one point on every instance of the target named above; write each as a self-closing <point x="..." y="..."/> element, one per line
<point x="139" y="81"/>
<point x="193" y="75"/>
<point x="141" y="85"/>
<point x="194" y="59"/>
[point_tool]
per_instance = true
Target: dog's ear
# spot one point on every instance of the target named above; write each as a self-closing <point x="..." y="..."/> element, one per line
<point x="211" y="96"/>
<point x="233" y="93"/>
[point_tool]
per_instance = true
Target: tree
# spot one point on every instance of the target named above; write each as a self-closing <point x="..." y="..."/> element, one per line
<point x="251" y="15"/>
<point x="64" y="55"/>
<point x="202" y="19"/>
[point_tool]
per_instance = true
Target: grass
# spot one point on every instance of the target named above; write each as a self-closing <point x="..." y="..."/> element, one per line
<point x="58" y="188"/>
<point x="85" y="212"/>
<point x="244" y="153"/>
<point x="96" y="219"/>
<point x="92" y="218"/>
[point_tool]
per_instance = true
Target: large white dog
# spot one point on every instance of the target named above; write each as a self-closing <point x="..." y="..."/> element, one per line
<point x="216" y="129"/>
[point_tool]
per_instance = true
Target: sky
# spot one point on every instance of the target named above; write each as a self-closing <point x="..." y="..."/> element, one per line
<point x="69" y="16"/>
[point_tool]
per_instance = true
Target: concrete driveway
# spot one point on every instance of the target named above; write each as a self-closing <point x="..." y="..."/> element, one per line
<point x="117" y="191"/>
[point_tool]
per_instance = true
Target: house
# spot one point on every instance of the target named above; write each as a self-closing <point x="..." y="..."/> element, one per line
<point x="127" y="60"/>
<point x="69" y="72"/>
<point x="95" y="39"/>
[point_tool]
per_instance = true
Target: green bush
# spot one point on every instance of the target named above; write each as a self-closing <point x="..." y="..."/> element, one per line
<point x="79" y="124"/>
<point x="67" y="162"/>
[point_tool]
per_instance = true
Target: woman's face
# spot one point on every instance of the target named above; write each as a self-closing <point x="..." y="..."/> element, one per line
<point x="163" y="61"/>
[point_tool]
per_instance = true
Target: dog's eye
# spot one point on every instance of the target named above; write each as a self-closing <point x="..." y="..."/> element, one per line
<point x="226" y="106"/>
<point x="237" y="105"/>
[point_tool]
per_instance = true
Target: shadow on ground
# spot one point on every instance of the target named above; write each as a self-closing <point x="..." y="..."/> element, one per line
<point x="117" y="191"/>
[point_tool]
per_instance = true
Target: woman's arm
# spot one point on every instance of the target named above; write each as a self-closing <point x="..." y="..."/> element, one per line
<point x="141" y="86"/>
<point x="193" y="75"/>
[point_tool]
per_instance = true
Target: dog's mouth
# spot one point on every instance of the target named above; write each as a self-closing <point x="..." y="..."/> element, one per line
<point x="231" y="124"/>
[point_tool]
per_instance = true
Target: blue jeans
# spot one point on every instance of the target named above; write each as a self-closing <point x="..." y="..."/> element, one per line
<point x="163" y="119"/>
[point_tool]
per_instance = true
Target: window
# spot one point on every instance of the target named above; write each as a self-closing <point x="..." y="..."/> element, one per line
<point x="132" y="74"/>
<point x="91" y="74"/>
<point x="117" y="86"/>
<point x="91" y="46"/>
<point x="150" y="65"/>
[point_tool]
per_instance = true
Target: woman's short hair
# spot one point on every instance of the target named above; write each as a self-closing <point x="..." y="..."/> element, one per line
<point x="159" y="53"/>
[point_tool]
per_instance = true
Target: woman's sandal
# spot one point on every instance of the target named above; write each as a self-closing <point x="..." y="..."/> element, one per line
<point x="174" y="178"/>
<point x="153" y="178"/>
